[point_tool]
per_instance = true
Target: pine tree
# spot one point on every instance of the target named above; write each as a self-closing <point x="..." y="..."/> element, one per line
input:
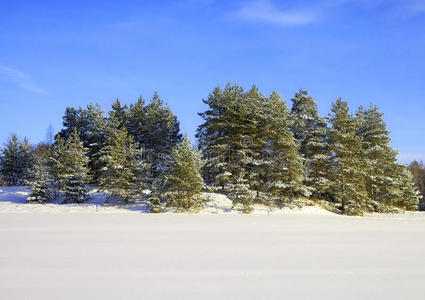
<point x="380" y="158"/>
<point x="214" y="138"/>
<point x="346" y="163"/>
<point x="16" y="161"/>
<point x="310" y="132"/>
<point x="286" y="171"/>
<point x="74" y="171"/>
<point x="124" y="173"/>
<point x="183" y="181"/>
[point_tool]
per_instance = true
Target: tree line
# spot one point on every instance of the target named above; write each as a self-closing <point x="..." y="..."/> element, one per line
<point x="251" y="147"/>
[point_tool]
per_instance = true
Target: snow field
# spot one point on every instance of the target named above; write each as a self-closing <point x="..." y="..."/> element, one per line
<point x="88" y="254"/>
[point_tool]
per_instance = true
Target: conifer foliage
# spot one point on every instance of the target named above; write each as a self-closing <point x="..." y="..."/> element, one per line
<point x="310" y="132"/>
<point x="16" y="161"/>
<point x="183" y="180"/>
<point x="70" y="168"/>
<point x="346" y="170"/>
<point x="122" y="176"/>
<point x="251" y="148"/>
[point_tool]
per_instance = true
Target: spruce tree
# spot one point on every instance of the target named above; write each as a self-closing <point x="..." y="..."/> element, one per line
<point x="41" y="181"/>
<point x="91" y="125"/>
<point x="58" y="163"/>
<point x="73" y="173"/>
<point x="346" y="164"/>
<point x="16" y="160"/>
<point x="183" y="180"/>
<point x="123" y="176"/>
<point x="403" y="193"/>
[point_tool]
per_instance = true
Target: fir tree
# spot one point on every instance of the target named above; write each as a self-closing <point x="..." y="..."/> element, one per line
<point x="124" y="173"/>
<point x="346" y="163"/>
<point x="183" y="181"/>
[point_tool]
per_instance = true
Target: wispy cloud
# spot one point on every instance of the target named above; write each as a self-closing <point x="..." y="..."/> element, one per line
<point x="264" y="11"/>
<point x="21" y="79"/>
<point x="417" y="6"/>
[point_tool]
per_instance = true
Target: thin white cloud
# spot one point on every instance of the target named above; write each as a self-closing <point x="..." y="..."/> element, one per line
<point x="264" y="11"/>
<point x="21" y="79"/>
<point x="417" y="6"/>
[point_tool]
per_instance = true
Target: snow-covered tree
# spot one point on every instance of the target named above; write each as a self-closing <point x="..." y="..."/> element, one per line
<point x="41" y="181"/>
<point x="70" y="168"/>
<point x="286" y="171"/>
<point x="16" y="160"/>
<point x="346" y="167"/>
<point x="402" y="192"/>
<point x="310" y="132"/>
<point x="183" y="180"/>
<point x="91" y="125"/>
<point x="124" y="174"/>
<point x="379" y="157"/>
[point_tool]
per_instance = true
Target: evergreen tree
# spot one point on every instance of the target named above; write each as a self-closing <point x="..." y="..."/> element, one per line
<point x="214" y="137"/>
<point x="159" y="134"/>
<point x="310" y="133"/>
<point x="124" y="172"/>
<point x="183" y="181"/>
<point x="41" y="181"/>
<point x="75" y="172"/>
<point x="402" y="191"/>
<point x="58" y="163"/>
<point x="119" y="114"/>
<point x="16" y="161"/>
<point x="346" y="163"/>
<point x="285" y="174"/>
<point x="380" y="158"/>
<point x="91" y="126"/>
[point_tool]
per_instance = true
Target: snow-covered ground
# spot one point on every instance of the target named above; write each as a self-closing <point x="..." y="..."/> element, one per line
<point x="96" y="252"/>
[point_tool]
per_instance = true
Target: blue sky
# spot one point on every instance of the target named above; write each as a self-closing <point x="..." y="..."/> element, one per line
<point x="55" y="54"/>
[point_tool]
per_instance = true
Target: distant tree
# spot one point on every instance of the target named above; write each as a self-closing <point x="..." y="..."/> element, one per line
<point x="183" y="180"/>
<point x="16" y="160"/>
<point x="417" y="168"/>
<point x="50" y="135"/>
